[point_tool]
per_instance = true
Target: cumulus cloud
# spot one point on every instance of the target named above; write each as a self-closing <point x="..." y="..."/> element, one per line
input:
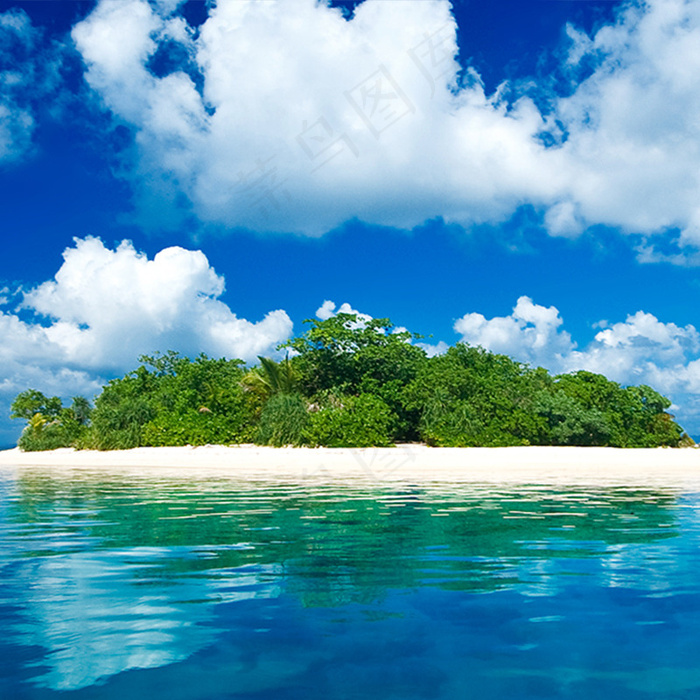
<point x="433" y="349"/>
<point x="640" y="346"/>
<point x="531" y="333"/>
<point x="640" y="350"/>
<point x="285" y="116"/>
<point x="633" y="135"/>
<point x="106" y="307"/>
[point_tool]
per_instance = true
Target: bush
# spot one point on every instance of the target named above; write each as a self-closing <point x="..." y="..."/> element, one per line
<point x="117" y="424"/>
<point x="458" y="424"/>
<point x="352" y="421"/>
<point x="569" y="423"/>
<point x="40" y="435"/>
<point x="449" y="426"/>
<point x="195" y="428"/>
<point x="52" y="427"/>
<point x="282" y="421"/>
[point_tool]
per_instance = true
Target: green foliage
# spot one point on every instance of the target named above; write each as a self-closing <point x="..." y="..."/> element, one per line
<point x="353" y="383"/>
<point x="82" y="410"/>
<point x="347" y="355"/>
<point x="120" y="416"/>
<point x="172" y="400"/>
<point x="570" y="423"/>
<point x="352" y="421"/>
<point x="191" y="427"/>
<point x="30" y="402"/>
<point x="122" y="410"/>
<point x="200" y="402"/>
<point x="470" y="397"/>
<point x="345" y="334"/>
<point x="449" y="423"/>
<point x="634" y="416"/>
<point x="282" y="421"/>
<point x="385" y="371"/>
<point x="49" y="424"/>
<point x="343" y="349"/>
<point x="44" y="437"/>
<point x="271" y="378"/>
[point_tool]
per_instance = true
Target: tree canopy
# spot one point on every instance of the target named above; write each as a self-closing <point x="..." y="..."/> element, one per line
<point x="356" y="383"/>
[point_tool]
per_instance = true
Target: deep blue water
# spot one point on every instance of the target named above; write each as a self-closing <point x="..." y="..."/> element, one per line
<point x="142" y="586"/>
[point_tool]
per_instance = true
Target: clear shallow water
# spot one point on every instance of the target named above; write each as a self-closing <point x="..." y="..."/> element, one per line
<point x="146" y="586"/>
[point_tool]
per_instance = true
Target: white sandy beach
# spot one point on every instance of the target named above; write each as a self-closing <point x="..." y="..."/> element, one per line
<point x="407" y="463"/>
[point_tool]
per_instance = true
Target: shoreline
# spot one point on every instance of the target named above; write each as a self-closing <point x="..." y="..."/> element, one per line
<point x="404" y="463"/>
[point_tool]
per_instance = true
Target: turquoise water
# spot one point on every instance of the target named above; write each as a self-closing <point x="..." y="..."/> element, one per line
<point x="130" y="586"/>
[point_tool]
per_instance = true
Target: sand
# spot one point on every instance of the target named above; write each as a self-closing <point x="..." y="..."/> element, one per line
<point x="405" y="463"/>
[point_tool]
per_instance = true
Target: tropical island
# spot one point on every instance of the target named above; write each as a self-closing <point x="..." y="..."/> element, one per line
<point x="350" y="382"/>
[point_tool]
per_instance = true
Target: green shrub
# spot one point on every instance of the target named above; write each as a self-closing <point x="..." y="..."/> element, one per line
<point x="52" y="427"/>
<point x="282" y="421"/>
<point x="449" y="425"/>
<point x="39" y="436"/>
<point x="195" y="428"/>
<point x="352" y="421"/>
<point x="459" y="424"/>
<point x="118" y="422"/>
<point x="570" y="423"/>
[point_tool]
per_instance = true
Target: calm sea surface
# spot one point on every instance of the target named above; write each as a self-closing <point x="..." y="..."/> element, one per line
<point x="146" y="586"/>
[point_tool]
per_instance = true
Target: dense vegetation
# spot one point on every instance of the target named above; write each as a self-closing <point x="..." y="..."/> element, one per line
<point x="354" y="384"/>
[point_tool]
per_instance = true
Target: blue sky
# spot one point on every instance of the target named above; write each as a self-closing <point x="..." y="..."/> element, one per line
<point x="205" y="176"/>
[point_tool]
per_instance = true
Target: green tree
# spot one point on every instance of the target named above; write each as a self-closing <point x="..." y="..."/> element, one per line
<point x="339" y="351"/>
<point x="49" y="424"/>
<point x="469" y="397"/>
<point x="31" y="401"/>
<point x="196" y="402"/>
<point x="570" y="423"/>
<point x="82" y="409"/>
<point x="634" y="416"/>
<point x="351" y="356"/>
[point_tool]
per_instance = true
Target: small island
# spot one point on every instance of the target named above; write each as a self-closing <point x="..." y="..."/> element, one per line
<point x="351" y="383"/>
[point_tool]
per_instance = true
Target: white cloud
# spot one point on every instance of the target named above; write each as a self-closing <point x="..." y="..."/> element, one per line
<point x="564" y="219"/>
<point x="288" y="117"/>
<point x="106" y="307"/>
<point x="326" y="310"/>
<point x="634" y="137"/>
<point x="306" y="120"/>
<point x="640" y="350"/>
<point x="16" y="127"/>
<point x="30" y="75"/>
<point x="531" y="333"/>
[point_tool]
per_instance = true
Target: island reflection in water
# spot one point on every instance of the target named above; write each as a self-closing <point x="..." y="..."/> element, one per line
<point x="151" y="585"/>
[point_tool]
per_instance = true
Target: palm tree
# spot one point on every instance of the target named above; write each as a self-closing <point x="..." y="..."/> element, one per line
<point x="37" y="422"/>
<point x="271" y="378"/>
